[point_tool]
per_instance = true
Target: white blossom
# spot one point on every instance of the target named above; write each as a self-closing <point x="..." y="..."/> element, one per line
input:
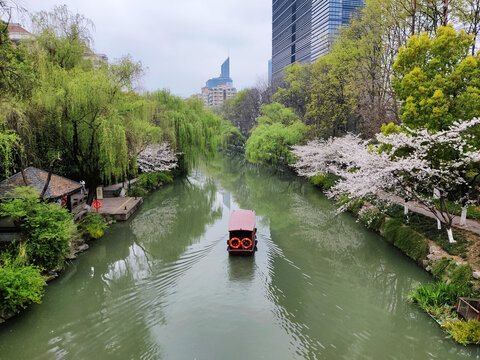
<point x="409" y="164"/>
<point x="157" y="158"/>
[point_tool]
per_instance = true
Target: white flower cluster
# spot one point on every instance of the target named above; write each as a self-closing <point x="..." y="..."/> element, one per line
<point x="410" y="164"/>
<point x="157" y="158"/>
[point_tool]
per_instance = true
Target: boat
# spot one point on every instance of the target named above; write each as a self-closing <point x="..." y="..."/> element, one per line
<point x="242" y="233"/>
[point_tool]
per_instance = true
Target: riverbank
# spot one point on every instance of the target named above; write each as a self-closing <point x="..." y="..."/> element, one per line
<point x="454" y="265"/>
<point x="88" y="228"/>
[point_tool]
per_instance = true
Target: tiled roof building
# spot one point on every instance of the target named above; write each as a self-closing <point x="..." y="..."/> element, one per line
<point x="17" y="33"/>
<point x="36" y="178"/>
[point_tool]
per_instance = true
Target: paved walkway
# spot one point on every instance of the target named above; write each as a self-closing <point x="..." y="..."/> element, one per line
<point x="471" y="225"/>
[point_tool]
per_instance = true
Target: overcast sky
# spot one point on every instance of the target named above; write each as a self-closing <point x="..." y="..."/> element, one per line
<point x="182" y="42"/>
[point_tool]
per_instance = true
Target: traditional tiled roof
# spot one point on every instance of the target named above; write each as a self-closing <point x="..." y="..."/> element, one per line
<point x="16" y="28"/>
<point x="36" y="178"/>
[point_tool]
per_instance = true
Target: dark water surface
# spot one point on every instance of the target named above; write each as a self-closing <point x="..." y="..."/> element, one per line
<point x="162" y="286"/>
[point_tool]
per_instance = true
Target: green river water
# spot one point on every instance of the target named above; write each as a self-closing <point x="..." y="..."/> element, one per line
<point x="162" y="286"/>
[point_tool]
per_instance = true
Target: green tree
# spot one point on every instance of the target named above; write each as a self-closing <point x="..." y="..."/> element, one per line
<point x="8" y="142"/>
<point x="277" y="129"/>
<point x="48" y="228"/>
<point x="243" y="109"/>
<point x="197" y="132"/>
<point x="296" y="93"/>
<point x="20" y="286"/>
<point x="81" y="121"/>
<point x="437" y="81"/>
<point x="64" y="36"/>
<point x="468" y="13"/>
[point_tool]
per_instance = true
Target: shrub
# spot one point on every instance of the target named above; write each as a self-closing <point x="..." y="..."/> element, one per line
<point x="93" y="225"/>
<point x="462" y="278"/>
<point x="324" y="181"/>
<point x="391" y="229"/>
<point x="439" y="267"/>
<point x="412" y="243"/>
<point x="464" y="332"/>
<point x="372" y="218"/>
<point x="165" y="177"/>
<point x="355" y="205"/>
<point x="136" y="190"/>
<point x="435" y="295"/>
<point x="48" y="227"/>
<point x="409" y="241"/>
<point x="150" y="181"/>
<point x="20" y="286"/>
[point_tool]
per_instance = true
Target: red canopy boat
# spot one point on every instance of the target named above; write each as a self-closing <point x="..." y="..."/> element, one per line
<point x="242" y="233"/>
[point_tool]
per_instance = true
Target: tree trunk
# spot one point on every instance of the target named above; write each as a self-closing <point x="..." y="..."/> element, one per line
<point x="24" y="176"/>
<point x="405" y="209"/>
<point x="445" y="13"/>
<point x="439" y="224"/>
<point x="414" y="15"/>
<point x="92" y="191"/>
<point x="463" y="217"/>
<point x="450" y="236"/>
<point x="50" y="169"/>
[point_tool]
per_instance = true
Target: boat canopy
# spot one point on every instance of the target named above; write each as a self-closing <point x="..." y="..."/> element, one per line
<point x="242" y="220"/>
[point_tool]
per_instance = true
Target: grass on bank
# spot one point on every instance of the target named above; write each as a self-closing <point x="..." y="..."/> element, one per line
<point x="148" y="182"/>
<point x="439" y="300"/>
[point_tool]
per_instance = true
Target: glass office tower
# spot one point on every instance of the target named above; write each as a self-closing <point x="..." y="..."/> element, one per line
<point x="302" y="30"/>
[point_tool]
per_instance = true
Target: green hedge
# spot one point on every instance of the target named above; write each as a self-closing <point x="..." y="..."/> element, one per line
<point x="428" y="228"/>
<point x="440" y="267"/>
<point x="409" y="241"/>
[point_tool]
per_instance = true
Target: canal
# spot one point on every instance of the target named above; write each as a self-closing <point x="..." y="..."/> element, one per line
<point x="162" y="286"/>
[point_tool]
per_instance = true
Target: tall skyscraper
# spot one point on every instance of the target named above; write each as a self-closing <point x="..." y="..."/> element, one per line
<point x="303" y="30"/>
<point x="218" y="89"/>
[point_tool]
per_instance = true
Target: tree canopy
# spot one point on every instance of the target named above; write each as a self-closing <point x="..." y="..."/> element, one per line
<point x="437" y="80"/>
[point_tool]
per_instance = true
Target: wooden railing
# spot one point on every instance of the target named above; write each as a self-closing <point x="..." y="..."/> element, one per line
<point x="468" y="308"/>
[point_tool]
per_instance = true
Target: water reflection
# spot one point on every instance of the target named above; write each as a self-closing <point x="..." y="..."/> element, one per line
<point x="338" y="289"/>
<point x="176" y="218"/>
<point x="241" y="268"/>
<point x="163" y="286"/>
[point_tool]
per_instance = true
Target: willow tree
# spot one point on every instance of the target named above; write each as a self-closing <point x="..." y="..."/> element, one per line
<point x="83" y="124"/>
<point x="277" y="129"/>
<point x="9" y="141"/>
<point x="197" y="131"/>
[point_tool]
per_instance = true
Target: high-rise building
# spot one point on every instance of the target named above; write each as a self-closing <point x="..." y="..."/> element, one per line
<point x="303" y="30"/>
<point x="269" y="72"/>
<point x="218" y="89"/>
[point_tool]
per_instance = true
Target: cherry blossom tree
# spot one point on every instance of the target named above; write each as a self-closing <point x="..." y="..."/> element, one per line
<point x="157" y="158"/>
<point x="409" y="164"/>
